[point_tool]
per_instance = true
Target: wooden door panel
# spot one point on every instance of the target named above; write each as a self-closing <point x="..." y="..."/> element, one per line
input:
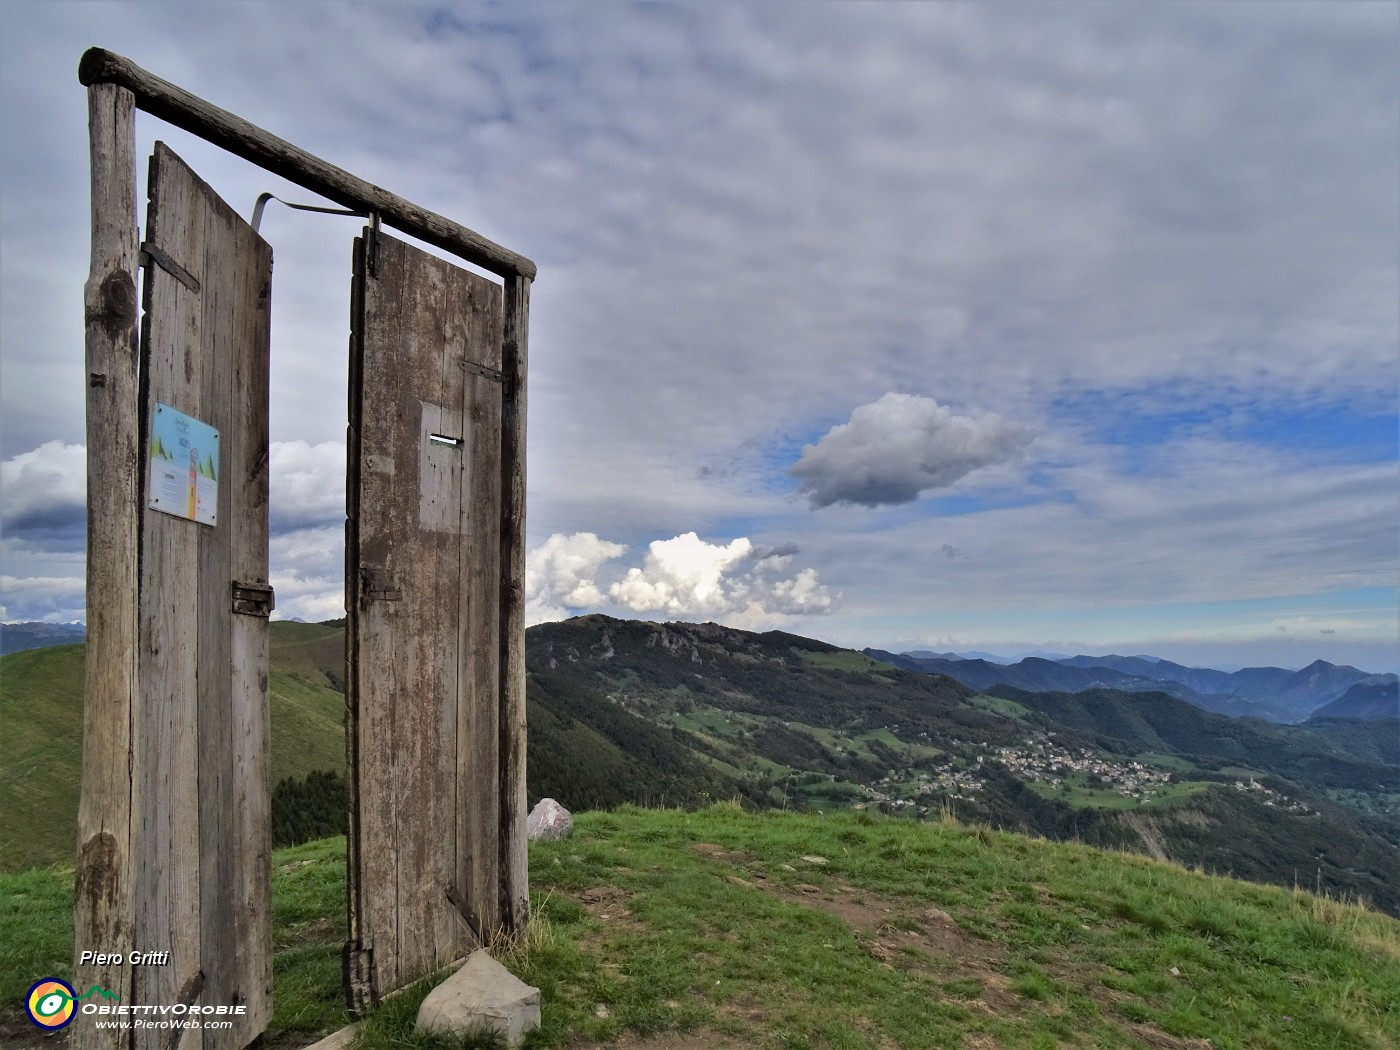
<point x="200" y="797"/>
<point x="423" y="597"/>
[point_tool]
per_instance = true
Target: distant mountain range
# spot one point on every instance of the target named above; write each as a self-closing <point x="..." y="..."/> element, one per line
<point x="17" y="637"/>
<point x="1271" y="693"/>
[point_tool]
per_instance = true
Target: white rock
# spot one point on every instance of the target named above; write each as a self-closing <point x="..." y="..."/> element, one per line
<point x="549" y="822"/>
<point x="482" y="995"/>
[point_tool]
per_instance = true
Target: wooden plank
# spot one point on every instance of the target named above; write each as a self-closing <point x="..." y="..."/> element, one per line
<point x="442" y="506"/>
<point x="515" y="876"/>
<point x="167" y="775"/>
<point x="102" y="910"/>
<point x="358" y="971"/>
<point x="246" y="140"/>
<point x="419" y="661"/>
<point x="234" y="739"/>
<point x="215" y="818"/>
<point x="478" y="740"/>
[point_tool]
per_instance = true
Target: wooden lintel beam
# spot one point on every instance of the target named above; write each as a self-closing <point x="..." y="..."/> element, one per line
<point x="162" y="99"/>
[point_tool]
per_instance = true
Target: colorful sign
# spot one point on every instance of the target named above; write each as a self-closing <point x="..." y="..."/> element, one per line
<point x="184" y="467"/>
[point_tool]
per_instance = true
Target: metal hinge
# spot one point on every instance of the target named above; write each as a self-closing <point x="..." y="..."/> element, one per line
<point x="151" y="254"/>
<point x="378" y="586"/>
<point x="253" y="599"/>
<point x="487" y="372"/>
<point x="357" y="971"/>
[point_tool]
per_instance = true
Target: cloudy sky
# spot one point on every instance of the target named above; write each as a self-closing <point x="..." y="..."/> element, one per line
<point x="916" y="325"/>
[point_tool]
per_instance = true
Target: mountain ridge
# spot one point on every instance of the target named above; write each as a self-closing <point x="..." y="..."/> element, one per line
<point x="1271" y="693"/>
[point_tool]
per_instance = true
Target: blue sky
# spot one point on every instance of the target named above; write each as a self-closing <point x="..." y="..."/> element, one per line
<point x="916" y="325"/>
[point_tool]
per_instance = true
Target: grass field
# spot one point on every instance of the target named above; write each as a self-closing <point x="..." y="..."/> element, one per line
<point x="41" y="762"/>
<point x="1076" y="790"/>
<point x="721" y="928"/>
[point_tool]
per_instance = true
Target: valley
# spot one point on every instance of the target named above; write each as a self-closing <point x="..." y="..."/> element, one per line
<point x="679" y="714"/>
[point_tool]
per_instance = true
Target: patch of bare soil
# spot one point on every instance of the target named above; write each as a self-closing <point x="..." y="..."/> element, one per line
<point x="913" y="939"/>
<point x="1154" y="1038"/>
<point x="608" y="904"/>
<point x="701" y="1040"/>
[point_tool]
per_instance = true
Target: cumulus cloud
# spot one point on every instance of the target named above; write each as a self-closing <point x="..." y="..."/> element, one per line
<point x="682" y="577"/>
<point x="559" y="574"/>
<point x="307" y="571"/>
<point x="45" y="495"/>
<point x="899" y="447"/>
<point x="307" y="484"/>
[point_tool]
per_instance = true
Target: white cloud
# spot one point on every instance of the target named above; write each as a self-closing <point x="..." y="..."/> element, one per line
<point x="46" y="599"/>
<point x="307" y="571"/>
<point x="899" y="447"/>
<point x="560" y="575"/>
<point x="803" y="594"/>
<point x="683" y="577"/>
<point x="306" y="483"/>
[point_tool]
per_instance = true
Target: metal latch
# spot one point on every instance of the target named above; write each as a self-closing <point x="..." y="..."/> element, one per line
<point x="253" y="599"/>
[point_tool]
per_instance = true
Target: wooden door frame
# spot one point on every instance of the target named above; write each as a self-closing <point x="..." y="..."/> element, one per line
<point x="118" y="87"/>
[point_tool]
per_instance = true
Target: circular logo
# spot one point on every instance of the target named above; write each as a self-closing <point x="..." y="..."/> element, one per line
<point x="51" y="1003"/>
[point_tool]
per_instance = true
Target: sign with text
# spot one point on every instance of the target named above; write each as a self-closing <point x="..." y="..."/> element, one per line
<point x="184" y="476"/>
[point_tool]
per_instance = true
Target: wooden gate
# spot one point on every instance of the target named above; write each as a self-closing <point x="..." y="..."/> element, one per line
<point x="202" y="839"/>
<point x="173" y="825"/>
<point x="425" y="633"/>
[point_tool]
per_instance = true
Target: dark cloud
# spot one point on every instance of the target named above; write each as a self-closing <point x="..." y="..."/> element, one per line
<point x="899" y="447"/>
<point x="45" y="497"/>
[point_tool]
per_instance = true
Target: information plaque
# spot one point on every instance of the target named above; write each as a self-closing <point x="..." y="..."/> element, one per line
<point x="184" y="474"/>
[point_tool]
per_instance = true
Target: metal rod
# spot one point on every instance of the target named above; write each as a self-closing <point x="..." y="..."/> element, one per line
<point x="162" y="99"/>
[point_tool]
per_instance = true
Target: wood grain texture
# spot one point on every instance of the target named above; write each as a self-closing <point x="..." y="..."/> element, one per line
<point x="204" y="843"/>
<point x="241" y="138"/>
<point x="513" y="847"/>
<point x="102" y="910"/>
<point x="166" y="773"/>
<point x="422" y="552"/>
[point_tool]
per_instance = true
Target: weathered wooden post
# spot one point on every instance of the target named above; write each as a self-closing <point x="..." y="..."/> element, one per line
<point x="103" y="889"/>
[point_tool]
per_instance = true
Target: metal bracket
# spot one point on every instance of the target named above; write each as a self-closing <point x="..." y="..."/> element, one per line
<point x="188" y="995"/>
<point x="493" y="374"/>
<point x="263" y="198"/>
<point x="371" y="255"/>
<point x="378" y="585"/>
<point x="470" y="917"/>
<point x="253" y="599"/>
<point x="485" y="371"/>
<point x="372" y="249"/>
<point x="151" y="254"/>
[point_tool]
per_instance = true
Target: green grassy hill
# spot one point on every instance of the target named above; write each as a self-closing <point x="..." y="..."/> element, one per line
<point x="684" y="714"/>
<point x="41" y="700"/>
<point x="718" y="928"/>
<point x="808" y="725"/>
